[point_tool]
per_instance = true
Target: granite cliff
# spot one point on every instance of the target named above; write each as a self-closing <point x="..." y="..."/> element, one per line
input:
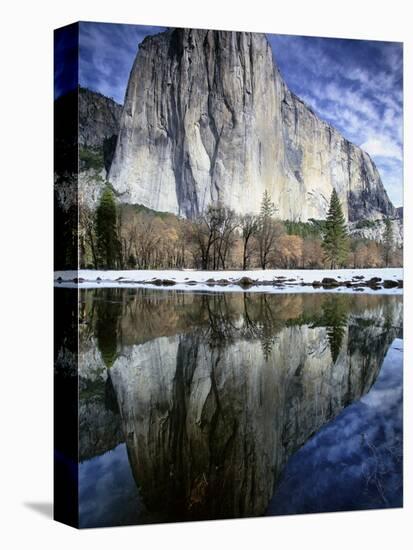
<point x="208" y="117"/>
<point x="99" y="118"/>
<point x="213" y="394"/>
<point x="375" y="230"/>
<point x="210" y="419"/>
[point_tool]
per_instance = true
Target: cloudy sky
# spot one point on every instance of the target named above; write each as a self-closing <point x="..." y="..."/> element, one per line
<point x="354" y="461"/>
<point x="356" y="85"/>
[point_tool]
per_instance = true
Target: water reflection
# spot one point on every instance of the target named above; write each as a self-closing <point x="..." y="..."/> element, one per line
<point x="213" y="393"/>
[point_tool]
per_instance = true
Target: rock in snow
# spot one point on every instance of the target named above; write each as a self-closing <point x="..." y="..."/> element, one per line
<point x="384" y="280"/>
<point x="208" y="117"/>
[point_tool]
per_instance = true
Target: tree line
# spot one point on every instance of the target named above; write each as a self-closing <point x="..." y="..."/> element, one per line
<point x="132" y="237"/>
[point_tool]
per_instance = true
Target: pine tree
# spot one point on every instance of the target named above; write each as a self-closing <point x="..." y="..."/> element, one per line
<point x="388" y="241"/>
<point x="335" y="239"/>
<point x="334" y="317"/>
<point x="268" y="208"/>
<point x="108" y="315"/>
<point x="107" y="242"/>
<point x="267" y="229"/>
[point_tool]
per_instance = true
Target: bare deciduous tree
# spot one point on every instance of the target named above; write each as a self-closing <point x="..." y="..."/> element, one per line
<point x="249" y="225"/>
<point x="212" y="234"/>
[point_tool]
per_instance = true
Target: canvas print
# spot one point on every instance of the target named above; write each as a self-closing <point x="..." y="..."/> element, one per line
<point x="228" y="274"/>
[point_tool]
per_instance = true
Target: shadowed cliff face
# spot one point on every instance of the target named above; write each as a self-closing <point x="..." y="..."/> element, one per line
<point x="216" y="392"/>
<point x="98" y="118"/>
<point x="208" y="117"/>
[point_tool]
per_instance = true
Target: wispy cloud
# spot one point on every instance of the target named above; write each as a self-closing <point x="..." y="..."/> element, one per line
<point x="382" y="147"/>
<point x="333" y="470"/>
<point x="357" y="86"/>
<point x="66" y="60"/>
<point x="107" y="52"/>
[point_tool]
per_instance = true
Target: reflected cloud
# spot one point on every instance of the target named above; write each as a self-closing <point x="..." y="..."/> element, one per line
<point x="214" y="393"/>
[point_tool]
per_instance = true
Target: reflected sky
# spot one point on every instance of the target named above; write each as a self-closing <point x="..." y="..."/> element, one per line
<point x="354" y="461"/>
<point x="202" y="407"/>
<point x="107" y="492"/>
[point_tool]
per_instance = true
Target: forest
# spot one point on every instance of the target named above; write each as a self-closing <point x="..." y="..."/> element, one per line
<point x="122" y="236"/>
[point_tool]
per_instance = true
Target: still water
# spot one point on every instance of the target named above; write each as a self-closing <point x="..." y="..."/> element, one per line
<point x="202" y="406"/>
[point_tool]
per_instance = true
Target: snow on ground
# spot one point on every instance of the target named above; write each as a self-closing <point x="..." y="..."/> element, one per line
<point x="270" y="280"/>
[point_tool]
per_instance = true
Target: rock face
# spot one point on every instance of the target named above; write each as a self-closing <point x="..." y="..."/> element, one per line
<point x="208" y="118"/>
<point x="99" y="118"/>
<point x="99" y="419"/>
<point x="210" y="425"/>
<point x="375" y="230"/>
<point x="217" y="393"/>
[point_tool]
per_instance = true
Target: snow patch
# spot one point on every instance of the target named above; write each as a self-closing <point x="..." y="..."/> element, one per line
<point x="271" y="280"/>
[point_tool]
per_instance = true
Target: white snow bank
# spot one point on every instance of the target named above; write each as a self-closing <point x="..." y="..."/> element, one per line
<point x="289" y="280"/>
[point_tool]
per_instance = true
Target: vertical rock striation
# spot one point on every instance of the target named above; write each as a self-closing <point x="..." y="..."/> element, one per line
<point x="212" y="413"/>
<point x="208" y="117"/>
<point x="99" y="118"/>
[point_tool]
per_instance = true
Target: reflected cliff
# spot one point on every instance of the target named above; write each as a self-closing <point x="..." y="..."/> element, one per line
<point x="213" y="393"/>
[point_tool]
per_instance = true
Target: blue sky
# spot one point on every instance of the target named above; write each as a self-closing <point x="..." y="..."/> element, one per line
<point x="356" y="85"/>
<point x="342" y="465"/>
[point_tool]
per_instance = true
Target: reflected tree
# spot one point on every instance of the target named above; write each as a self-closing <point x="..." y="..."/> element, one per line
<point x="108" y="314"/>
<point x="333" y="314"/>
<point x="334" y="317"/>
<point x="261" y="321"/>
<point x="209" y="424"/>
<point x="222" y="327"/>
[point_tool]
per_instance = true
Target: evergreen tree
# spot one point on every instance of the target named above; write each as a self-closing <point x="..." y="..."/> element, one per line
<point x="108" y="315"/>
<point x="267" y="229"/>
<point x="268" y="208"/>
<point x="335" y="239"/>
<point x="388" y="242"/>
<point x="107" y="242"/>
<point x="334" y="317"/>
